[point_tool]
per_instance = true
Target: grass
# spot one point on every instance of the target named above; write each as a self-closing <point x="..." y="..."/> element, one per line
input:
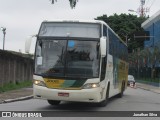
<point x="17" y="85"/>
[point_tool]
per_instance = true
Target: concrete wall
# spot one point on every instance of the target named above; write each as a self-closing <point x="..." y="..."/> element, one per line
<point x="14" y="68"/>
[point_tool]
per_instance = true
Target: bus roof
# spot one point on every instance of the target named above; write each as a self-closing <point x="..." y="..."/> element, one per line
<point x="76" y="21"/>
<point x="85" y="21"/>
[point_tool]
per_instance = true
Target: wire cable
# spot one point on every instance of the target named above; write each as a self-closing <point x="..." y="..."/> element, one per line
<point x="147" y="2"/>
<point x="152" y="3"/>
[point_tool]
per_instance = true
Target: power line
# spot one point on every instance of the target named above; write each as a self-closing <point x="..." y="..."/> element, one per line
<point x="152" y="3"/>
<point x="147" y="2"/>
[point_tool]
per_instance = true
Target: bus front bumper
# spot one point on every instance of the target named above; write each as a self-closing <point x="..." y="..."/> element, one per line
<point x="83" y="95"/>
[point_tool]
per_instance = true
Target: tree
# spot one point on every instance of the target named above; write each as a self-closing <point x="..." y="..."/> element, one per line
<point x="125" y="25"/>
<point x="72" y="2"/>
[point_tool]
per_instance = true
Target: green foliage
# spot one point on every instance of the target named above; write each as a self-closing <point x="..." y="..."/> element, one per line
<point x="124" y="25"/>
<point x="17" y="85"/>
<point x="72" y="2"/>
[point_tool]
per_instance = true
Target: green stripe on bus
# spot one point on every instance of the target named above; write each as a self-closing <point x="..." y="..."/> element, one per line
<point x="79" y="83"/>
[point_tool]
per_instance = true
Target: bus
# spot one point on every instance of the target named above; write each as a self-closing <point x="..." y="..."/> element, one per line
<point x="79" y="61"/>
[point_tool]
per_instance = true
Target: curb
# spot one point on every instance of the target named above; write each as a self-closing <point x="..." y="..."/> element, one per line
<point x="154" y="91"/>
<point x="16" y="99"/>
<point x="143" y="88"/>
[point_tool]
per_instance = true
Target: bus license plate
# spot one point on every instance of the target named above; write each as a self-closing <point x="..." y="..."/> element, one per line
<point x="63" y="94"/>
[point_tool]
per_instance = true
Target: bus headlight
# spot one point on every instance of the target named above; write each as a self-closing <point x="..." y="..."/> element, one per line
<point x="90" y="85"/>
<point x="39" y="83"/>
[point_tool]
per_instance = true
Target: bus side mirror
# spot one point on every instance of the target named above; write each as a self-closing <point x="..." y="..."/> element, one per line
<point x="103" y="46"/>
<point x="28" y="43"/>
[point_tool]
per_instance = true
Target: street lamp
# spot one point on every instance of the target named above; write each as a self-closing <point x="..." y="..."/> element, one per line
<point x="132" y="10"/>
<point x="4" y="33"/>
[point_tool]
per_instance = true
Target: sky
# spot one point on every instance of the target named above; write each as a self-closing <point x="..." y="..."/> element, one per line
<point x="22" y="18"/>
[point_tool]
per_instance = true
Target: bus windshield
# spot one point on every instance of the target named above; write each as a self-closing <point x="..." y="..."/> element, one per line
<point x="67" y="58"/>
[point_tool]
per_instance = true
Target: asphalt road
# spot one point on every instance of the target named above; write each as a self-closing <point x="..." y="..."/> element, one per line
<point x="133" y="100"/>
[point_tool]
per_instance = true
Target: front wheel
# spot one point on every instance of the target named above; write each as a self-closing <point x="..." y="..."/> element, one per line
<point x="54" y="102"/>
<point x="104" y="102"/>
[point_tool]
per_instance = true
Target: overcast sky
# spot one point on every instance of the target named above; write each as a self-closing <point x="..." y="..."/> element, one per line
<point x="23" y="17"/>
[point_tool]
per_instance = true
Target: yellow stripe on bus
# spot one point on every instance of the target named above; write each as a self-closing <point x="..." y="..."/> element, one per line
<point x="54" y="83"/>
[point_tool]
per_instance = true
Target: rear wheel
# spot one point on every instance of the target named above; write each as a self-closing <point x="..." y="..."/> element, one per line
<point x="54" y="102"/>
<point x="122" y="90"/>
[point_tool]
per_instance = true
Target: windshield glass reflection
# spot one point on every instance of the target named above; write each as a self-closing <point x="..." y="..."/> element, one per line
<point x="67" y="58"/>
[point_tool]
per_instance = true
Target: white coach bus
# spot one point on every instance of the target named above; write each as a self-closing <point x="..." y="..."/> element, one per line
<point x="83" y="61"/>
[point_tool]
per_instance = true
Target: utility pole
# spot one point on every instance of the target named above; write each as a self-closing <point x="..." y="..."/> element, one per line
<point x="141" y="10"/>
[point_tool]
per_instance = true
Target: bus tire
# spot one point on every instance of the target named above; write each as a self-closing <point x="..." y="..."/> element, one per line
<point x="120" y="95"/>
<point x="104" y="102"/>
<point x="54" y="102"/>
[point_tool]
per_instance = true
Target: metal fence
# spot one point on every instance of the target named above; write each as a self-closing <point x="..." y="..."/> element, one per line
<point x="145" y="65"/>
<point x="14" y="68"/>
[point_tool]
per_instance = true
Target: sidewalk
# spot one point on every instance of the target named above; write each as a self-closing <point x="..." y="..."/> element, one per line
<point x="16" y="95"/>
<point x="148" y="87"/>
<point x="27" y="93"/>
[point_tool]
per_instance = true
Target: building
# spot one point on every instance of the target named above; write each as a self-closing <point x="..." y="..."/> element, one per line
<point x="153" y="26"/>
<point x="152" y="45"/>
